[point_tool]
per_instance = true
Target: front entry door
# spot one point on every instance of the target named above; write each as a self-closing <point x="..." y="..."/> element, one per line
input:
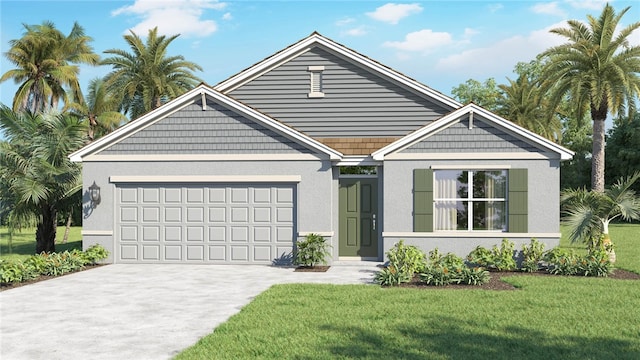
<point x="358" y="217"/>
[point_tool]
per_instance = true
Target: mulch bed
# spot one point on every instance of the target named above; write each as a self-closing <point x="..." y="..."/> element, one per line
<point x="495" y="282"/>
<point x="317" y="268"/>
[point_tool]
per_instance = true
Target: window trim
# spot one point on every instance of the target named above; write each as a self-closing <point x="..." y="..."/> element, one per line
<point x="315" y="81"/>
<point x="470" y="199"/>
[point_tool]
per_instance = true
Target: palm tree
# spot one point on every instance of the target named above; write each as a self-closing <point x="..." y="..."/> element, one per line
<point x="589" y="213"/>
<point x="523" y="103"/>
<point x="146" y="78"/>
<point x="100" y="110"/>
<point x="598" y="71"/>
<point x="37" y="176"/>
<point x="46" y="64"/>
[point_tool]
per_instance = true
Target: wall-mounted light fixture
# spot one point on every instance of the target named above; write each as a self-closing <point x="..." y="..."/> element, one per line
<point x="94" y="195"/>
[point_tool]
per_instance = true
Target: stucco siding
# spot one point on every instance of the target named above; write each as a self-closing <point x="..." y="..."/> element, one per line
<point x="356" y="102"/>
<point x="482" y="137"/>
<point x="315" y="190"/>
<point x="543" y="201"/>
<point x="215" y="131"/>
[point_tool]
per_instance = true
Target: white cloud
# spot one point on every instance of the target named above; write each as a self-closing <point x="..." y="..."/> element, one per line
<point x="423" y="40"/>
<point x="172" y="16"/>
<point x="551" y="8"/>
<point x="227" y="16"/>
<point x="495" y="7"/>
<point x="359" y="31"/>
<point x="588" y="4"/>
<point x="345" y="21"/>
<point x="392" y="13"/>
<point x="502" y="55"/>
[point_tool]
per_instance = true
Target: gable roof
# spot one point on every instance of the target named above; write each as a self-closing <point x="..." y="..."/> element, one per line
<point x="189" y="97"/>
<point x="315" y="39"/>
<point x="493" y="119"/>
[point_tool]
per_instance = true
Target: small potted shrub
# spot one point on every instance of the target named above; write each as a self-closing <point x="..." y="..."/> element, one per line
<point x="310" y="252"/>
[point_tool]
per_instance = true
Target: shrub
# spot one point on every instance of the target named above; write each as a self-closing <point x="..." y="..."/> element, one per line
<point x="532" y="256"/>
<point x="16" y="272"/>
<point x="94" y="253"/>
<point x="498" y="258"/>
<point x="561" y="262"/>
<point x="404" y="262"/>
<point x="406" y="258"/>
<point x="390" y="276"/>
<point x="311" y="251"/>
<point x="594" y="263"/>
<point x="451" y="269"/>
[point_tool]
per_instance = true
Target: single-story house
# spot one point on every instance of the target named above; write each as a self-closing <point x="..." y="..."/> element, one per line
<point x="316" y="138"/>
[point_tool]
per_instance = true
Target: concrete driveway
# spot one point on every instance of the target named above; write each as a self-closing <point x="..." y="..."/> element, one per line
<point x="139" y="311"/>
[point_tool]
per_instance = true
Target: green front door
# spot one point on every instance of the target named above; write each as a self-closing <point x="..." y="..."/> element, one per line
<point x="358" y="217"/>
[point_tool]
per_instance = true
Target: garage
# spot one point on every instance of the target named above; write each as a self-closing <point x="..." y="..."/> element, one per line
<point x="204" y="222"/>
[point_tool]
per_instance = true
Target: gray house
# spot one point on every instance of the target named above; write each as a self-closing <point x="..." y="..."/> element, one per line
<point x="316" y="138"/>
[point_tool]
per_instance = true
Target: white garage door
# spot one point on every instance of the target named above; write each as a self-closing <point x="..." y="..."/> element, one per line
<point x="204" y="223"/>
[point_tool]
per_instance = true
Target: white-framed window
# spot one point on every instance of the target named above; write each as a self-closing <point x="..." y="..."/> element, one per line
<point x="315" y="82"/>
<point x="470" y="200"/>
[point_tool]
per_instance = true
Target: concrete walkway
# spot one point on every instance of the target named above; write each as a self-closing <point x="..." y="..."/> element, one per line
<point x="136" y="312"/>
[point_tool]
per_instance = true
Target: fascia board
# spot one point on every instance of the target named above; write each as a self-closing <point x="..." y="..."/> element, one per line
<point x="565" y="154"/>
<point x="135" y="125"/>
<point x="306" y="44"/>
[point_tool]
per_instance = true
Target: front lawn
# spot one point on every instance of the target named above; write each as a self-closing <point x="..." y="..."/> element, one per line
<point x="548" y="317"/>
<point x="23" y="244"/>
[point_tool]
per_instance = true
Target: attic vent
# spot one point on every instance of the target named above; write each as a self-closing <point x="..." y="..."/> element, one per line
<point x="315" y="89"/>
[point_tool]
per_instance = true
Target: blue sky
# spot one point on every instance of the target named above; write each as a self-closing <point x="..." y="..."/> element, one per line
<point x="439" y="43"/>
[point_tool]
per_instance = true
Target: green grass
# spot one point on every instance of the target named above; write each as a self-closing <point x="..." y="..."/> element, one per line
<point x="24" y="242"/>
<point x="547" y="318"/>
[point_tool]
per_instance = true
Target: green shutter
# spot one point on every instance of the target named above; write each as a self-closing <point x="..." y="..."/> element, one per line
<point x="423" y="200"/>
<point x="518" y="200"/>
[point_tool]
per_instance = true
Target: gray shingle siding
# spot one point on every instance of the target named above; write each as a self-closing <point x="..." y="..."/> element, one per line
<point x="214" y="131"/>
<point x="481" y="138"/>
<point x="356" y="103"/>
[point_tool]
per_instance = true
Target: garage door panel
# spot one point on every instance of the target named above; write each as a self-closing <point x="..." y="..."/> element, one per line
<point x="239" y="214"/>
<point x="173" y="233"/>
<point x="128" y="214"/>
<point x="150" y="214"/>
<point x="129" y="233"/>
<point x="214" y="223"/>
<point x="195" y="214"/>
<point x="150" y="196"/>
<point x="173" y="252"/>
<point x="239" y="196"/>
<point x="173" y="195"/>
<point x="217" y="233"/>
<point x="151" y="252"/>
<point x="217" y="253"/>
<point x="239" y="253"/>
<point x="129" y="252"/>
<point x="173" y="214"/>
<point x="195" y="195"/>
<point x="151" y="233"/>
<point x="195" y="252"/>
<point x="262" y="253"/>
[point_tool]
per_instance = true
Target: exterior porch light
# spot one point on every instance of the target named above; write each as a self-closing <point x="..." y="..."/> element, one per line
<point x="94" y="195"/>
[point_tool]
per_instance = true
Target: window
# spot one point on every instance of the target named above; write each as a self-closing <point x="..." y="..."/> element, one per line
<point x="470" y="200"/>
<point x="315" y="87"/>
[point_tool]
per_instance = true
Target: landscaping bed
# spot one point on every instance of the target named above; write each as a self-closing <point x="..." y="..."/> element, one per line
<point x="496" y="281"/>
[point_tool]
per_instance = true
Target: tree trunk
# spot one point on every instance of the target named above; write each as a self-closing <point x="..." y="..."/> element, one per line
<point x="46" y="230"/>
<point x="597" y="155"/>
<point x="66" y="230"/>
